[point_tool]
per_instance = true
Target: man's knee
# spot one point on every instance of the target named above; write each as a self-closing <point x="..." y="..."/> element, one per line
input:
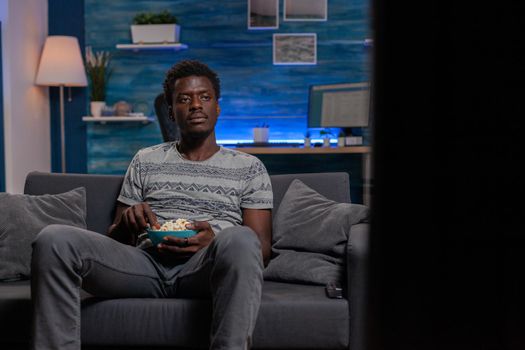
<point x="237" y="237"/>
<point x="50" y="234"/>
<point x="238" y="243"/>
<point x="54" y="238"/>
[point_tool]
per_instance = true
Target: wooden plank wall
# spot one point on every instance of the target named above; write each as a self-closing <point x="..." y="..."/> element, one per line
<point x="253" y="89"/>
<point x="2" y="161"/>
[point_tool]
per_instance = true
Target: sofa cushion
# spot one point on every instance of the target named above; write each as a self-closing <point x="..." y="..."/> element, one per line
<point x="23" y="216"/>
<point x="294" y="316"/>
<point x="102" y="192"/>
<point x="291" y="316"/>
<point x="310" y="233"/>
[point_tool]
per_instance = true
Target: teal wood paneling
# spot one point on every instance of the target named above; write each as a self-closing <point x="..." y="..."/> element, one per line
<point x="2" y="160"/>
<point x="67" y="18"/>
<point x="253" y="89"/>
<point x="111" y="147"/>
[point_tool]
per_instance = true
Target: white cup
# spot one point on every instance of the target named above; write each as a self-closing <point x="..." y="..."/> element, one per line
<point x="261" y="134"/>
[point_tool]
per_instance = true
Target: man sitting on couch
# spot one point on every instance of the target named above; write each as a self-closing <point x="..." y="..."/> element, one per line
<point x="226" y="194"/>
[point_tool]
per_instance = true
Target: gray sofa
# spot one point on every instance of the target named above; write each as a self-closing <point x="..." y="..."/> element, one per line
<point x="292" y="316"/>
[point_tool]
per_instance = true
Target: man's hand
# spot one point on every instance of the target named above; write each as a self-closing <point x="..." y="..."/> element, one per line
<point x="190" y="245"/>
<point x="130" y="221"/>
<point x="136" y="218"/>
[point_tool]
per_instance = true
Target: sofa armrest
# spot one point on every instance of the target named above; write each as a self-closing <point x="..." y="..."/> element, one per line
<point x="356" y="282"/>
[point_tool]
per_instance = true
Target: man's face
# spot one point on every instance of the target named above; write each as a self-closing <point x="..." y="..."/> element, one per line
<point x="195" y="106"/>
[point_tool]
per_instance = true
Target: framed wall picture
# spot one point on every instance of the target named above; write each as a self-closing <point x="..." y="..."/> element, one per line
<point x="295" y="49"/>
<point x="263" y="14"/>
<point x="305" y="10"/>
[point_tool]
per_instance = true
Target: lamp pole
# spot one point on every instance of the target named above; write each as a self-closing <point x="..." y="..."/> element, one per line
<point x="62" y="130"/>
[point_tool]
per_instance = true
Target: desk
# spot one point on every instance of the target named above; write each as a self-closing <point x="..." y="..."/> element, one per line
<point x="302" y="150"/>
<point x="365" y="151"/>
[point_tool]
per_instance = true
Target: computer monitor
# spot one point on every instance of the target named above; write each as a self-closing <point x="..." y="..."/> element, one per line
<point x="343" y="105"/>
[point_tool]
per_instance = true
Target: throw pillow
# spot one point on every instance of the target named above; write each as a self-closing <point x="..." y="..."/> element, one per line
<point x="310" y="234"/>
<point x="23" y="216"/>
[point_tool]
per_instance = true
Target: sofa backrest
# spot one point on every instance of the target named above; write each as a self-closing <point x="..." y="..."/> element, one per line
<point x="334" y="186"/>
<point x="102" y="190"/>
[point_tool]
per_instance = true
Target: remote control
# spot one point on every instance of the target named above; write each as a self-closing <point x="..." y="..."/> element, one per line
<point x="334" y="291"/>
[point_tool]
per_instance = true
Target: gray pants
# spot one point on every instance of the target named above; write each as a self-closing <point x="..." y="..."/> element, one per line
<point x="65" y="259"/>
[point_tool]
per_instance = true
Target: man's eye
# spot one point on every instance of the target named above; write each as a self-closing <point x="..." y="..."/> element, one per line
<point x="184" y="99"/>
<point x="205" y="97"/>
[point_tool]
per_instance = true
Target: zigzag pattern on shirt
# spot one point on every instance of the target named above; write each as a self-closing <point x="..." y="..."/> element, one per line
<point x="264" y="201"/>
<point x="193" y="170"/>
<point x="204" y="170"/>
<point x="192" y="205"/>
<point x="192" y="187"/>
<point x="175" y="213"/>
<point x="255" y="170"/>
<point x="128" y="186"/>
<point x="262" y="187"/>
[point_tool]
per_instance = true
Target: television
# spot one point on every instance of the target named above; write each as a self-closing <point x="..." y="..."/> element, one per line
<point x="342" y="105"/>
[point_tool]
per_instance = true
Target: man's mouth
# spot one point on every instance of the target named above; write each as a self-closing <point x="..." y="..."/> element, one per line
<point x="197" y="118"/>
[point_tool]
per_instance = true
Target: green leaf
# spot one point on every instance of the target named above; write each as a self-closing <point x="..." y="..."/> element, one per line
<point x="164" y="17"/>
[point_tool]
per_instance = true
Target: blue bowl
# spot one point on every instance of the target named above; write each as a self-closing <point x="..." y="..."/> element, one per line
<point x="156" y="237"/>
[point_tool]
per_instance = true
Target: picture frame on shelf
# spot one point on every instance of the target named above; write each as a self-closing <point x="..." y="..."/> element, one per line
<point x="305" y="10"/>
<point x="295" y="49"/>
<point x="263" y="14"/>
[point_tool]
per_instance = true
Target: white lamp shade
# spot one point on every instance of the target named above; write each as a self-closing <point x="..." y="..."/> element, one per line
<point x="61" y="63"/>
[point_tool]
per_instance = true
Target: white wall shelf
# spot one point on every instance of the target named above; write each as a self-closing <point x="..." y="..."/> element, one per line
<point x="117" y="119"/>
<point x="139" y="47"/>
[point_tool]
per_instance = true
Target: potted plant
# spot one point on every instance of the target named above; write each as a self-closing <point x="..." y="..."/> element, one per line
<point x="326" y="134"/>
<point x="98" y="72"/>
<point x="155" y="27"/>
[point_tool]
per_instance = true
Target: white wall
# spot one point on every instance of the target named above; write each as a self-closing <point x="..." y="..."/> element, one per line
<point x="26" y="106"/>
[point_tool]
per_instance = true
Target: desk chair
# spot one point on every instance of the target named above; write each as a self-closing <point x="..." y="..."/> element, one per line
<point x="168" y="127"/>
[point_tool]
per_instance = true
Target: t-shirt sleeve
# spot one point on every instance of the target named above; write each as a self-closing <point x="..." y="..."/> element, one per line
<point x="257" y="193"/>
<point x="131" y="191"/>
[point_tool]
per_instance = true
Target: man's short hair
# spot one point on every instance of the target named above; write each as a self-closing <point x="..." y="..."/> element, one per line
<point x="185" y="69"/>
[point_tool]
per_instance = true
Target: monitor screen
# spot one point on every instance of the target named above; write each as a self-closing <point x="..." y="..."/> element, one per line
<point x="339" y="105"/>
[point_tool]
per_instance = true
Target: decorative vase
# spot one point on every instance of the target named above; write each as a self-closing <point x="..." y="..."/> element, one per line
<point x="96" y="108"/>
<point x="155" y="33"/>
<point x="307" y="142"/>
<point x="326" y="141"/>
<point x="341" y="141"/>
<point x="122" y="109"/>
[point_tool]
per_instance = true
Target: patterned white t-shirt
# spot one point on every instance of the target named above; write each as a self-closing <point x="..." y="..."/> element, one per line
<point x="214" y="190"/>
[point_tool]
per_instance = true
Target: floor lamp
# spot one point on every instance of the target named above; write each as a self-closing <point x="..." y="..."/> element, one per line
<point x="61" y="65"/>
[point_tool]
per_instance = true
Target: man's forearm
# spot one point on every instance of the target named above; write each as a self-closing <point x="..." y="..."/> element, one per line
<point x="116" y="231"/>
<point x="260" y="221"/>
<point x="266" y="254"/>
<point x="119" y="235"/>
<point x="266" y="248"/>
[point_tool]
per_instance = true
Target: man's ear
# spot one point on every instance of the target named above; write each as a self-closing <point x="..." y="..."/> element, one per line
<point x="170" y="113"/>
<point x="218" y="109"/>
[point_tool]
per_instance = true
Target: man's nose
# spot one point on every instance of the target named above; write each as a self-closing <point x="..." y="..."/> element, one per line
<point x="195" y="104"/>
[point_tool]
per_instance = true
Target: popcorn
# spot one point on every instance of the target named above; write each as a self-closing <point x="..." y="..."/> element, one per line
<point x="177" y="225"/>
